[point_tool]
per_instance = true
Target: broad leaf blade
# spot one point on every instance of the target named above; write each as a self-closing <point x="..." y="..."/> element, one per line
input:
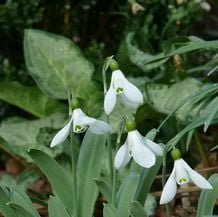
<point x="56" y="64"/>
<point x="19" y="134"/>
<point x="88" y="168"/>
<point x="166" y="99"/>
<point x="60" y="180"/>
<point x="30" y="99"/>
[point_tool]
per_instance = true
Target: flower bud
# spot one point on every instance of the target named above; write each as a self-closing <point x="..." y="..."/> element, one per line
<point x="176" y="154"/>
<point x="113" y="65"/>
<point x="130" y="124"/>
<point x="74" y="103"/>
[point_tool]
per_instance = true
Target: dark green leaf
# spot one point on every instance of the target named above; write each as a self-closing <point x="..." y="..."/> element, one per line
<point x="57" y="64"/>
<point x="166" y="99"/>
<point x="20" y="135"/>
<point x="30" y="99"/>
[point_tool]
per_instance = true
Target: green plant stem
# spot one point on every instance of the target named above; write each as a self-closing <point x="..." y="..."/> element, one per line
<point x="110" y="154"/>
<point x="168" y="211"/>
<point x="115" y="175"/>
<point x="200" y="149"/>
<point x="114" y="187"/>
<point x="74" y="173"/>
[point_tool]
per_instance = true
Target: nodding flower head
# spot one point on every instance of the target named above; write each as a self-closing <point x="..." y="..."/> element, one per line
<point x="140" y="148"/>
<point x="119" y="85"/>
<point x="81" y="122"/>
<point x="182" y="173"/>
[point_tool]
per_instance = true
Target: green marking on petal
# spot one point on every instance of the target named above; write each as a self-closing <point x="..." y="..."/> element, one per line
<point x="183" y="181"/>
<point x="119" y="90"/>
<point x="80" y="129"/>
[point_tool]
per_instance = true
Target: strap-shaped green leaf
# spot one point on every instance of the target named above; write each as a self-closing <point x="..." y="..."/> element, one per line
<point x="6" y="210"/>
<point x="88" y="168"/>
<point x="110" y="210"/>
<point x="60" y="180"/>
<point x="137" y="210"/>
<point x="126" y="193"/>
<point x="20" y="198"/>
<point x="208" y="198"/>
<point x="104" y="187"/>
<point x="20" y="210"/>
<point x="56" y="208"/>
<point x="146" y="179"/>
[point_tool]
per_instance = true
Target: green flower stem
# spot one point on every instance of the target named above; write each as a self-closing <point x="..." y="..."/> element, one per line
<point x="168" y="211"/>
<point x="114" y="187"/>
<point x="200" y="149"/>
<point x="73" y="165"/>
<point x="110" y="155"/>
<point x="121" y="129"/>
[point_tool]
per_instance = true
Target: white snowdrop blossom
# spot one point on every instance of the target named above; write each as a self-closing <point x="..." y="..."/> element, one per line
<point x="81" y="122"/>
<point x="119" y="85"/>
<point x="204" y="5"/>
<point x="182" y="173"/>
<point x="142" y="149"/>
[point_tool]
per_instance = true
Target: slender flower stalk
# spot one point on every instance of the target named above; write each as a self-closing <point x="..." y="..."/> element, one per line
<point x="119" y="85"/>
<point x="141" y="149"/>
<point x="80" y="123"/>
<point x="182" y="173"/>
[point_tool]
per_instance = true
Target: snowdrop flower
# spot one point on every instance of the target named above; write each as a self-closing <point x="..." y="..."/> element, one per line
<point x="142" y="149"/>
<point x="119" y="85"/>
<point x="182" y="173"/>
<point x="204" y="5"/>
<point x="81" y="122"/>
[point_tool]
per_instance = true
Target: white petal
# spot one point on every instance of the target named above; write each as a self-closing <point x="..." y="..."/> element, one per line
<point x="140" y="153"/>
<point x="181" y="174"/>
<point x="109" y="100"/>
<point x="156" y="148"/>
<point x="117" y="81"/>
<point x="205" y="6"/>
<point x="122" y="156"/>
<point x="100" y="127"/>
<point x="128" y="102"/>
<point x="78" y="126"/>
<point x="61" y="134"/>
<point x="132" y="93"/>
<point x="169" y="190"/>
<point x="199" y="180"/>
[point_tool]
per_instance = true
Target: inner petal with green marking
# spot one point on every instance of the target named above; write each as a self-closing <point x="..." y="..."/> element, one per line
<point x="183" y="181"/>
<point x="119" y="90"/>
